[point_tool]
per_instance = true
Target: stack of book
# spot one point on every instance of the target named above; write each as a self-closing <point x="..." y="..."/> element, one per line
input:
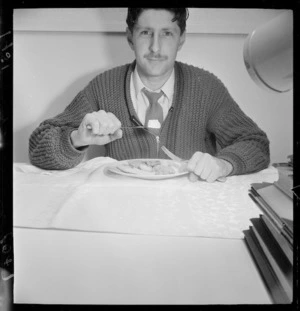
<point x="270" y="237"/>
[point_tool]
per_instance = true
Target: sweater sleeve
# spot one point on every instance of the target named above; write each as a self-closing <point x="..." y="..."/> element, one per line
<point x="241" y="141"/>
<point x="50" y="144"/>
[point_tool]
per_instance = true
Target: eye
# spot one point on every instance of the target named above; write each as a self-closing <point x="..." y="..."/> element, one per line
<point x="167" y="33"/>
<point x="146" y="33"/>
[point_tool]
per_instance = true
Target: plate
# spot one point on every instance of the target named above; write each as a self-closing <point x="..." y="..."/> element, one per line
<point x="153" y="169"/>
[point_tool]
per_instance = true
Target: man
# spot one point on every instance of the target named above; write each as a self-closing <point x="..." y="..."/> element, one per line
<point x="198" y="119"/>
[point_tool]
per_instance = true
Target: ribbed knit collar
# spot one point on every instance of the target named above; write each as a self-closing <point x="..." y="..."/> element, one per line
<point x="178" y="87"/>
<point x="167" y="88"/>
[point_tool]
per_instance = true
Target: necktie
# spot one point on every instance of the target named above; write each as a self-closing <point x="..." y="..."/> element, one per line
<point x="154" y="114"/>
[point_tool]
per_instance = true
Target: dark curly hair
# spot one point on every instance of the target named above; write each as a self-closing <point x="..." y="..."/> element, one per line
<point x="180" y="15"/>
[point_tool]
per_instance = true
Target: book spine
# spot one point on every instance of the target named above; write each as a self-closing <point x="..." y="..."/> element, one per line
<point x="272" y="283"/>
<point x="276" y="258"/>
<point x="279" y="237"/>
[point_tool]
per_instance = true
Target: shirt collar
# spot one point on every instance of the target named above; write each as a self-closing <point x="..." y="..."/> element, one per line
<point x="167" y="88"/>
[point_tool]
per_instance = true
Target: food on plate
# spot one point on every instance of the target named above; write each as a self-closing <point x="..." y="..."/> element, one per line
<point x="151" y="167"/>
<point x="128" y="169"/>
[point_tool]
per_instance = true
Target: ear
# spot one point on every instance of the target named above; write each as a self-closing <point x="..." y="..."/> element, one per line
<point x="129" y="38"/>
<point x="181" y="41"/>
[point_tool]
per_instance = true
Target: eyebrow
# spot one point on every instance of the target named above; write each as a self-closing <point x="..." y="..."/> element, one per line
<point x="138" y="27"/>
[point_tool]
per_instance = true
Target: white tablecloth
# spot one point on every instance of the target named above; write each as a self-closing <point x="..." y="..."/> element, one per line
<point x="89" y="198"/>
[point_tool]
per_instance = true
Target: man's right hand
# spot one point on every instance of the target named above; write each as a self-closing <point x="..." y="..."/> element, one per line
<point x="97" y="128"/>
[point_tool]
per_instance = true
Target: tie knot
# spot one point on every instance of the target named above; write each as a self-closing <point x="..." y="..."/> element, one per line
<point x="153" y="97"/>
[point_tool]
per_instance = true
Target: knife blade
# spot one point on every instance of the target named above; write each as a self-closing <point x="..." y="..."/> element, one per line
<point x="171" y="155"/>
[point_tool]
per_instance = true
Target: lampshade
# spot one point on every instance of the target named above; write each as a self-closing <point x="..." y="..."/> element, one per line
<point x="268" y="53"/>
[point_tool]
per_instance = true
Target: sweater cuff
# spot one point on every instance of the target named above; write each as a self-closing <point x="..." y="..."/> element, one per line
<point x="238" y="167"/>
<point x="67" y="147"/>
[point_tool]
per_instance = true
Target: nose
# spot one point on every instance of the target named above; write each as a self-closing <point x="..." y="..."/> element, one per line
<point x="155" y="43"/>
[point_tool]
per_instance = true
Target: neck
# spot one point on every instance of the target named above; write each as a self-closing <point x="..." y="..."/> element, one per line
<point x="154" y="83"/>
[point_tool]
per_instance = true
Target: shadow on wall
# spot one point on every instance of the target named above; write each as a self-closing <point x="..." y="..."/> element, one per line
<point x="55" y="107"/>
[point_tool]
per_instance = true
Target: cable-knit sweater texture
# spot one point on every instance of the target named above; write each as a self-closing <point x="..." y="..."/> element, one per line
<point x="203" y="117"/>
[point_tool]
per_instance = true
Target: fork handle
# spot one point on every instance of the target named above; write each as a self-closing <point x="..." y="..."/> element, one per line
<point x="122" y="127"/>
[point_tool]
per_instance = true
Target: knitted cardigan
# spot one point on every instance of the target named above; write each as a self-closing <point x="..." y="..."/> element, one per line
<point x="203" y="117"/>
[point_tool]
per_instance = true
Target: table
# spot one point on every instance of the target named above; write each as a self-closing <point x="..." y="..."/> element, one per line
<point x="69" y="266"/>
<point x="65" y="267"/>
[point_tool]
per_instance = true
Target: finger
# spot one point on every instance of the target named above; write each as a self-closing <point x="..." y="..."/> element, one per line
<point x="200" y="167"/>
<point x="109" y="123"/>
<point x="97" y="120"/>
<point x="105" y="139"/>
<point x="106" y="127"/>
<point x="193" y="177"/>
<point x="109" y="138"/>
<point x="90" y="123"/>
<point x="206" y="167"/>
<point x="116" y="122"/>
<point x="194" y="160"/>
<point x="116" y="135"/>
<point x="93" y="125"/>
<point x="89" y="127"/>
<point x="212" y="177"/>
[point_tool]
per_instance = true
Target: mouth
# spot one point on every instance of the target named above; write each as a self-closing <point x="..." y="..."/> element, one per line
<point x="155" y="59"/>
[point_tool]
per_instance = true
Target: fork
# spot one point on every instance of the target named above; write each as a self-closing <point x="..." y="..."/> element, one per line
<point x="172" y="156"/>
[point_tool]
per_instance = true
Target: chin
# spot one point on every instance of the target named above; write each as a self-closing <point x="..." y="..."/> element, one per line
<point x="156" y="71"/>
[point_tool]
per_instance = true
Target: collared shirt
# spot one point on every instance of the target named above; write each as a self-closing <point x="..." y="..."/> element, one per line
<point x="140" y="100"/>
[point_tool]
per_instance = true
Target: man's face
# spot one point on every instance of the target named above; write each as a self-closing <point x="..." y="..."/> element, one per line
<point x="155" y="41"/>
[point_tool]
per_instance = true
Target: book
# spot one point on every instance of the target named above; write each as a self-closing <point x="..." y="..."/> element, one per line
<point x="275" y="256"/>
<point x="265" y="210"/>
<point x="271" y="281"/>
<point x="281" y="240"/>
<point x="285" y="182"/>
<point x="270" y="238"/>
<point x="280" y="203"/>
<point x="289" y="226"/>
<point x="276" y="222"/>
<point x="276" y="205"/>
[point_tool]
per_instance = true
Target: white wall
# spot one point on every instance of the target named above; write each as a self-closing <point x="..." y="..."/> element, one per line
<point x="55" y="56"/>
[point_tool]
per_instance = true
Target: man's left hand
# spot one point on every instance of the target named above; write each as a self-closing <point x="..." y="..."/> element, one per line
<point x="207" y="167"/>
